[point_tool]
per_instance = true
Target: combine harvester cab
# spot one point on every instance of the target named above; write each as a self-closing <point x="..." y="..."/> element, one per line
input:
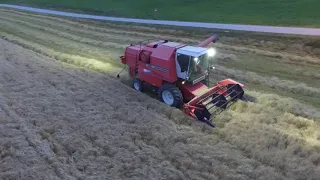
<point x="180" y="75"/>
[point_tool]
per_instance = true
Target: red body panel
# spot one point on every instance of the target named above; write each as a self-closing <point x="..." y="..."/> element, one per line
<point x="190" y="91"/>
<point x="131" y="55"/>
<point x="164" y="58"/>
<point x="153" y="63"/>
<point x="149" y="75"/>
<point x="229" y="81"/>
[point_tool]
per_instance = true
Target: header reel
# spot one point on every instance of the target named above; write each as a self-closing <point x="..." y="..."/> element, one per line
<point x="215" y="101"/>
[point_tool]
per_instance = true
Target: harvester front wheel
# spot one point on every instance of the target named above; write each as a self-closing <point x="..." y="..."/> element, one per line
<point x="171" y="95"/>
<point x="137" y="85"/>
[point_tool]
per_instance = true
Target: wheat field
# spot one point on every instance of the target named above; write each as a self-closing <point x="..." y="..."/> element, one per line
<point x="64" y="115"/>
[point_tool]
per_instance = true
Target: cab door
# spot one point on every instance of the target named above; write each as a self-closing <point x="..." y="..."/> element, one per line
<point x="182" y="65"/>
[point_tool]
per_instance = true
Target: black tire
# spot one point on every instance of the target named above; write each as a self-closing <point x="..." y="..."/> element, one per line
<point x="137" y="85"/>
<point x="175" y="93"/>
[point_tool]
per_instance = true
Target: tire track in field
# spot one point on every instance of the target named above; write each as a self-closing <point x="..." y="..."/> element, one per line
<point x="19" y="155"/>
<point x="35" y="142"/>
<point x="30" y="132"/>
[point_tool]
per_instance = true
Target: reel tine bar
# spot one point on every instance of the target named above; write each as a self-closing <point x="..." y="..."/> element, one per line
<point x="219" y="99"/>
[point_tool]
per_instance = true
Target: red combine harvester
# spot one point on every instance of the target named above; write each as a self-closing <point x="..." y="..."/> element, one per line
<point x="180" y="73"/>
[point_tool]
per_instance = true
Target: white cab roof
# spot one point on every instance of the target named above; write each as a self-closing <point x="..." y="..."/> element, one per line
<point x="192" y="51"/>
<point x="171" y="44"/>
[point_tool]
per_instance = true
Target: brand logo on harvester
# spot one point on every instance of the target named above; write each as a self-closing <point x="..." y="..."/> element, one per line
<point x="146" y="71"/>
<point x="158" y="68"/>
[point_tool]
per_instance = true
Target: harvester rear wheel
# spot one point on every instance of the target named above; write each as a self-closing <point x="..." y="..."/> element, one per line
<point x="137" y="85"/>
<point x="171" y="95"/>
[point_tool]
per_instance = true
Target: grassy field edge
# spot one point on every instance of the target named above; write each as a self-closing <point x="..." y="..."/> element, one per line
<point x="277" y="18"/>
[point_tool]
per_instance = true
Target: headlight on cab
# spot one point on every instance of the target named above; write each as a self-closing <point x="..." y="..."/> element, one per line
<point x="211" y="52"/>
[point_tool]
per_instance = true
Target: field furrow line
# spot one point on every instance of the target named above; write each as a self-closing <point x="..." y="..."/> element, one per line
<point x="33" y="96"/>
<point x="272" y="55"/>
<point x="219" y="45"/>
<point x="114" y="31"/>
<point x="93" y="25"/>
<point x="42" y="148"/>
<point x="81" y="32"/>
<point x="128" y="33"/>
<point x="113" y="28"/>
<point x="280" y="141"/>
<point x="196" y="40"/>
<point x="281" y="56"/>
<point x="60" y="45"/>
<point x="63" y="57"/>
<point x="276" y="83"/>
<point x="133" y="27"/>
<point x="69" y="36"/>
<point x="273" y="82"/>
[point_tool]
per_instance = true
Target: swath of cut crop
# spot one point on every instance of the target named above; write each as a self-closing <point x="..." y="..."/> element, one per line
<point x="56" y="42"/>
<point x="273" y="82"/>
<point x="83" y="32"/>
<point x="115" y="31"/>
<point x="63" y="57"/>
<point x="73" y="37"/>
<point x="284" y="56"/>
<point x="275" y="138"/>
<point x="107" y="27"/>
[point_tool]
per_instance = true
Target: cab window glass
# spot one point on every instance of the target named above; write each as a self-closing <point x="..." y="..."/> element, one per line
<point x="183" y="61"/>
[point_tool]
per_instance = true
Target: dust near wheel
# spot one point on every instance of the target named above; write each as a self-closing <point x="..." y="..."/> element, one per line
<point x="171" y="95"/>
